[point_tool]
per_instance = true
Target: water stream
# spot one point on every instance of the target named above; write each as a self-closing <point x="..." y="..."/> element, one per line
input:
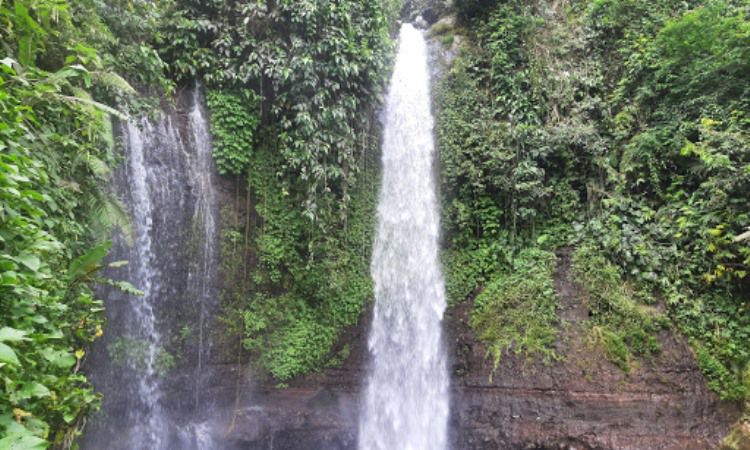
<point x="150" y="365"/>
<point x="202" y="278"/>
<point x="406" y="398"/>
<point x="142" y="322"/>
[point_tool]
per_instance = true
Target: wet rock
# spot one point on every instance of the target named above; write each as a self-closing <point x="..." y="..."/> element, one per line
<point x="430" y="11"/>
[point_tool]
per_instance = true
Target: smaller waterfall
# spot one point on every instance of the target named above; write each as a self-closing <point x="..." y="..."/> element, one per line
<point x="152" y="363"/>
<point x="406" y="399"/>
<point x="203" y="276"/>
<point x="143" y="325"/>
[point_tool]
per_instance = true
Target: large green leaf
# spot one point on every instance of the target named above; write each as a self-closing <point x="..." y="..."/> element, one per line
<point x="33" y="390"/>
<point x="8" y="334"/>
<point x="30" y="261"/>
<point x="23" y="442"/>
<point x="7" y="355"/>
<point x="128" y="288"/>
<point x="89" y="262"/>
<point x="100" y="106"/>
<point x="59" y="358"/>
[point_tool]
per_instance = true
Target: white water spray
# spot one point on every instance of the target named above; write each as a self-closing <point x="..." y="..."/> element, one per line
<point x="406" y="400"/>
<point x="149" y="415"/>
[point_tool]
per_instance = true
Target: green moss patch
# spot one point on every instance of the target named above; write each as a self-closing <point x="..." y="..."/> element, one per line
<point x="517" y="310"/>
<point x="622" y="321"/>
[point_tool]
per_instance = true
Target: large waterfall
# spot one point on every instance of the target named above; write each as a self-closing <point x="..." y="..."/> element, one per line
<point x="150" y="365"/>
<point x="406" y="399"/>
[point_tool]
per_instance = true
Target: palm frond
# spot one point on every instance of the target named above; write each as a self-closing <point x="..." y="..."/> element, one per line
<point x="100" y="106"/>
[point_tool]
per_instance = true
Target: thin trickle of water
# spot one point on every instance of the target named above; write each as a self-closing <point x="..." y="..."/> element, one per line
<point x="406" y="398"/>
<point x="201" y="279"/>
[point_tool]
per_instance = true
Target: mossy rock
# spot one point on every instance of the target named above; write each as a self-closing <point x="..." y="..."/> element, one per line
<point x="429" y="10"/>
<point x="739" y="437"/>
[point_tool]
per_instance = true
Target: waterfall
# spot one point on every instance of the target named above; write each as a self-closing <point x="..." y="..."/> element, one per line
<point x="151" y="363"/>
<point x="143" y="320"/>
<point x="406" y="398"/>
<point x="202" y="278"/>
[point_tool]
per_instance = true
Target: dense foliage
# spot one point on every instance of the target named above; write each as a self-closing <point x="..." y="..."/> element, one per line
<point x="630" y="118"/>
<point x="55" y="151"/>
<point x="306" y="287"/>
<point x="291" y="88"/>
<point x="234" y="121"/>
<point x="315" y="67"/>
<point x="619" y="126"/>
<point x="625" y="320"/>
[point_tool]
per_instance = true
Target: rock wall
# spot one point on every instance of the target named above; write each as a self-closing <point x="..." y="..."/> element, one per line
<point x="172" y="258"/>
<point x="582" y="402"/>
<point x="429" y="10"/>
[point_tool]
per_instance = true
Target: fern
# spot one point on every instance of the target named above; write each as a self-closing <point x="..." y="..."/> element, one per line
<point x="113" y="82"/>
<point x="109" y="214"/>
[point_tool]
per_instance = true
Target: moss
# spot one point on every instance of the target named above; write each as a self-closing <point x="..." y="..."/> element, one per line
<point x="720" y="378"/>
<point x="517" y="310"/>
<point x="463" y="272"/>
<point x="441" y="28"/>
<point x="621" y="324"/>
<point x="308" y="283"/>
<point x="739" y="437"/>
<point x="447" y="39"/>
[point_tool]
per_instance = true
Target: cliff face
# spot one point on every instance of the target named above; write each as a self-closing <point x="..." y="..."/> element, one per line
<point x="172" y="257"/>
<point x="580" y="402"/>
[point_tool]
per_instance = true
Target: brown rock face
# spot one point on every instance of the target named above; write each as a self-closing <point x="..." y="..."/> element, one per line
<point x="581" y="402"/>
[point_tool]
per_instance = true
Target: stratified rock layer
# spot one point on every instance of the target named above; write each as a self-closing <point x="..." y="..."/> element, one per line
<point x="582" y="402"/>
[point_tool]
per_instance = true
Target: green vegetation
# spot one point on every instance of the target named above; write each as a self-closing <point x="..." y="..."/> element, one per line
<point x="630" y="118"/>
<point x="56" y="150"/>
<point x="739" y="436"/>
<point x="63" y="63"/>
<point x="623" y="321"/>
<point x="312" y="70"/>
<point x="517" y="310"/>
<point x="291" y="88"/>
<point x="444" y="32"/>
<point x="234" y="120"/>
<point x="618" y="126"/>
<point x="291" y="98"/>
<point x="134" y="353"/>
<point x="308" y="284"/>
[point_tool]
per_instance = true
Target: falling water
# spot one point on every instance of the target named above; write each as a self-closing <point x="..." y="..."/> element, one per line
<point x="144" y="321"/>
<point x="152" y="363"/>
<point x="201" y="279"/>
<point x="406" y="400"/>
